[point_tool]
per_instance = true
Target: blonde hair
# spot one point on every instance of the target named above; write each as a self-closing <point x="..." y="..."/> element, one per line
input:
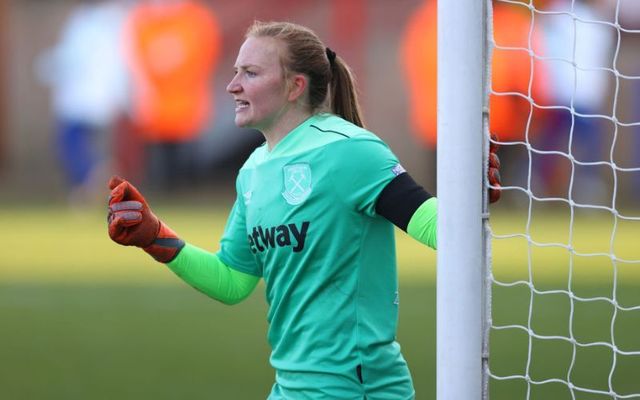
<point x="306" y="54"/>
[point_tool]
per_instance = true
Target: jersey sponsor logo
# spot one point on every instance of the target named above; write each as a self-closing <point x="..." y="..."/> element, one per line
<point x="297" y="183"/>
<point x="398" y="169"/>
<point x="288" y="235"/>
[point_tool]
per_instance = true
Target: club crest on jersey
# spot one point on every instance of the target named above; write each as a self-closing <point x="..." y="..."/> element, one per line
<point x="297" y="183"/>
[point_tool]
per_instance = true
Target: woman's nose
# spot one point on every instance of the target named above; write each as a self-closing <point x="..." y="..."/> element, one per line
<point x="233" y="86"/>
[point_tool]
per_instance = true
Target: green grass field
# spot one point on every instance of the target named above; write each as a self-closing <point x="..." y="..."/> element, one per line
<point x="83" y="318"/>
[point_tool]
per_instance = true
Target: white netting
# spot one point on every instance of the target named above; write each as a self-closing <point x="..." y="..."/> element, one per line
<point x="565" y="281"/>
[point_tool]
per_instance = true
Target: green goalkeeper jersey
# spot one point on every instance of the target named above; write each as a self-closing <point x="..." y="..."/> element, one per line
<point x="304" y="219"/>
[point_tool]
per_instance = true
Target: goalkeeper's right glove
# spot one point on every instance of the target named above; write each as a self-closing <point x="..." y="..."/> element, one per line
<point x="494" y="170"/>
<point x="131" y="223"/>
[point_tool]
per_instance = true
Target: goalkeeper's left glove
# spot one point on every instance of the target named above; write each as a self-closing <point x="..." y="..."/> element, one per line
<point x="494" y="170"/>
<point x="131" y="223"/>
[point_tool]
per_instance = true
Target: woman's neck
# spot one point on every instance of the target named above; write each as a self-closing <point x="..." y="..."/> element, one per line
<point x="285" y="124"/>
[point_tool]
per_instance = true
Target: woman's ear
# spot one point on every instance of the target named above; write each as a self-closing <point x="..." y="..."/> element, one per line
<point x="297" y="86"/>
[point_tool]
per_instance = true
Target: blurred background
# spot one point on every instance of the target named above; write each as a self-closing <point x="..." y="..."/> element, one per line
<point x="104" y="79"/>
<point x="137" y="88"/>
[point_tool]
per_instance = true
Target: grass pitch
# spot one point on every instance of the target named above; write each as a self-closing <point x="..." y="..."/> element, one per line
<point x="84" y="318"/>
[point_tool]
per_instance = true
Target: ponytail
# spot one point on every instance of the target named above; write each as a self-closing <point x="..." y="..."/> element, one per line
<point x="344" y="98"/>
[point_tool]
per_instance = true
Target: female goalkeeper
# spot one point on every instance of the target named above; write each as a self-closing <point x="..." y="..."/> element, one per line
<point x="314" y="217"/>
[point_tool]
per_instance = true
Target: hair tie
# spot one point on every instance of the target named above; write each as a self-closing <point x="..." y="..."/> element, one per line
<point x="331" y="55"/>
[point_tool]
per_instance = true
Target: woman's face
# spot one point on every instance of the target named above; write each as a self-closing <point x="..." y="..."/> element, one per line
<point x="259" y="86"/>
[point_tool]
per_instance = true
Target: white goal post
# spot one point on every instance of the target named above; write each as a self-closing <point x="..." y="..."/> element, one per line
<point x="460" y="260"/>
<point x="560" y="307"/>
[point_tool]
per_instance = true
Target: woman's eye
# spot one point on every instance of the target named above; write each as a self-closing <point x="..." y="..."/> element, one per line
<point x="250" y="74"/>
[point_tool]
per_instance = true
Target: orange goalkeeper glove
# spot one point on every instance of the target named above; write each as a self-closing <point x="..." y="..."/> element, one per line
<point x="131" y="223"/>
<point x="494" y="170"/>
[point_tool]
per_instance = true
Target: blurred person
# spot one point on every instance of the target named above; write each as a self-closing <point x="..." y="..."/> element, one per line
<point x="418" y="57"/>
<point x="628" y="63"/>
<point x="314" y="217"/>
<point x="511" y="72"/>
<point x="173" y="51"/>
<point x="89" y="85"/>
<point x="579" y="57"/>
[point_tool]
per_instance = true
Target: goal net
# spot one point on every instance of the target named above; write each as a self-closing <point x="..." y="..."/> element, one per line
<point x="563" y="318"/>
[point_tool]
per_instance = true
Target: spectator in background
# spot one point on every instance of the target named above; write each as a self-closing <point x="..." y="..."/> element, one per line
<point x="420" y="63"/>
<point x="511" y="73"/>
<point x="579" y="57"/>
<point x="89" y="86"/>
<point x="174" y="45"/>
<point x="628" y="63"/>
